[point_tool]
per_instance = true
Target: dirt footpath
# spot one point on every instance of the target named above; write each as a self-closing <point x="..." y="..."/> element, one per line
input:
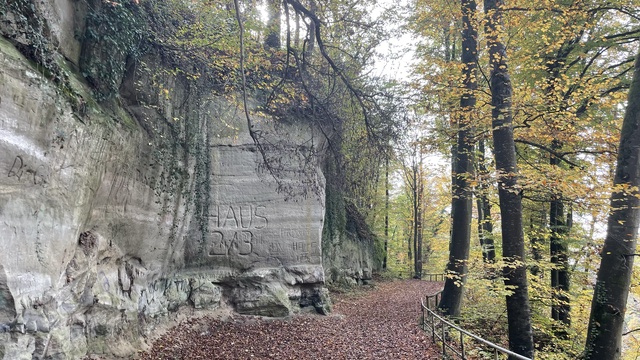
<point x="378" y="324"/>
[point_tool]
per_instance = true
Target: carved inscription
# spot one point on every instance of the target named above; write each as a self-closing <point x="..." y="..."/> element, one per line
<point x="231" y="242"/>
<point x="301" y="243"/>
<point x="21" y="171"/>
<point x="236" y="229"/>
<point x="238" y="217"/>
<point x="276" y="248"/>
<point x="305" y="250"/>
<point x="295" y="233"/>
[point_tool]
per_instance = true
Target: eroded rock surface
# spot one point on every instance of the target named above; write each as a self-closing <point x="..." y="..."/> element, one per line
<point x="114" y="216"/>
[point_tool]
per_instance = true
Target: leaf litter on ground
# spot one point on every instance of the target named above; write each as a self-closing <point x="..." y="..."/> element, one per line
<point x="381" y="323"/>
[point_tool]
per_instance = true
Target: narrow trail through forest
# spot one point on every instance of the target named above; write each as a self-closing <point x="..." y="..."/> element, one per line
<point x="381" y="323"/>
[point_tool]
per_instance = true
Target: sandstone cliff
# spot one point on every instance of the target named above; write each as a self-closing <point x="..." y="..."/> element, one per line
<point x="117" y="212"/>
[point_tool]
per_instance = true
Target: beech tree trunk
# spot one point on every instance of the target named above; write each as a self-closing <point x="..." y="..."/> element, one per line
<point x="558" y="250"/>
<point x="411" y="177"/>
<point x="609" y="302"/>
<point x="461" y="205"/>
<point x="514" y="271"/>
<point x="417" y="219"/>
<point x="537" y="219"/>
<point x="386" y="213"/>
<point x="409" y="246"/>
<point x="272" y="39"/>
<point x="560" y="272"/>
<point x="485" y="224"/>
<point x="310" y="40"/>
<point x="557" y="224"/>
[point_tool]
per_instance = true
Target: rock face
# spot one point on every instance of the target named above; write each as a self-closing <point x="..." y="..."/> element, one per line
<point x="113" y="216"/>
<point x="347" y="243"/>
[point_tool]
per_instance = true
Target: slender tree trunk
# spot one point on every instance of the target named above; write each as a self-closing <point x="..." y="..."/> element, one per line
<point x="310" y="41"/>
<point x="418" y="256"/>
<point x="296" y="37"/>
<point x="386" y="213"/>
<point x="416" y="222"/>
<point x="485" y="224"/>
<point x="409" y="252"/>
<point x="538" y="225"/>
<point x="557" y="224"/>
<point x="274" y="26"/>
<point x="537" y="220"/>
<point x="480" y="211"/>
<point x="514" y="271"/>
<point x="413" y="219"/>
<point x="558" y="251"/>
<point x="409" y="247"/>
<point x="462" y="199"/>
<point x="614" y="276"/>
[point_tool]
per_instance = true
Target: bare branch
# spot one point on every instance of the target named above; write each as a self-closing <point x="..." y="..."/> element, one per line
<point x="630" y="331"/>
<point x="550" y="151"/>
<point x="245" y="105"/>
<point x="356" y="92"/>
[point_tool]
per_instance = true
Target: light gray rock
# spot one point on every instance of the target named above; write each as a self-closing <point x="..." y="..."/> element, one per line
<point x="115" y="217"/>
<point x="7" y="305"/>
<point x="65" y="20"/>
<point x="204" y="294"/>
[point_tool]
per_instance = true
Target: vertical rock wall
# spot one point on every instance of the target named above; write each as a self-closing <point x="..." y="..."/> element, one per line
<point x="348" y="245"/>
<point x="113" y="216"/>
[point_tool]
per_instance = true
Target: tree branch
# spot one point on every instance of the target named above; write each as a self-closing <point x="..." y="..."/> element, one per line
<point x="356" y="92"/>
<point x="245" y="105"/>
<point x="630" y="331"/>
<point x="550" y="151"/>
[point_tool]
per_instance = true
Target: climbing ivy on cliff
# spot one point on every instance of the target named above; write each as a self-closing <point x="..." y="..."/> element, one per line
<point x="114" y="35"/>
<point x="21" y="21"/>
<point x="23" y="24"/>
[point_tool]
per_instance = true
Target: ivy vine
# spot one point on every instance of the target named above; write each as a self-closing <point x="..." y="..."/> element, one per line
<point x="22" y="24"/>
<point x="114" y="34"/>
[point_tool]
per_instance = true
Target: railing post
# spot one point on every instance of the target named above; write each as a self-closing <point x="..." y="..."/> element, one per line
<point x="433" y="327"/>
<point x="462" y="344"/>
<point x="495" y="351"/>
<point x="444" y="344"/>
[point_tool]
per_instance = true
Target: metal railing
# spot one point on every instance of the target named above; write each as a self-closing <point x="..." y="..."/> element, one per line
<point x="433" y="277"/>
<point x="441" y="330"/>
<point x="426" y="277"/>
